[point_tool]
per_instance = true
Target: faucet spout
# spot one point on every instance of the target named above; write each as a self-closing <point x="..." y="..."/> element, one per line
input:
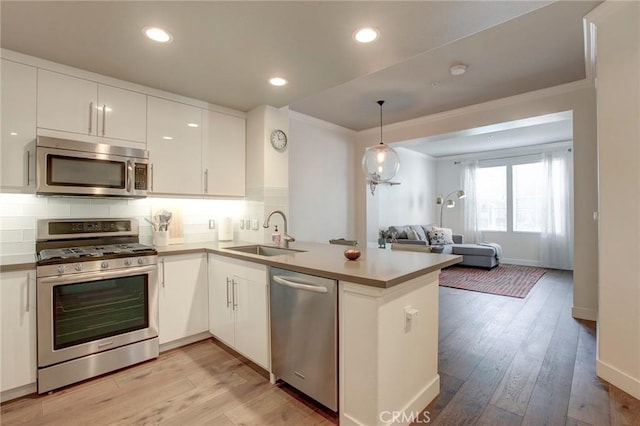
<point x="286" y="237"/>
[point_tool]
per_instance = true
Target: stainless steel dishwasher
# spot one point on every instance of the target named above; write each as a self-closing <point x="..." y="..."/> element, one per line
<point x="304" y="334"/>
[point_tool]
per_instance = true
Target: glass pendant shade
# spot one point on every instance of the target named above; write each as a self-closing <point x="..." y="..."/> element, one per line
<point x="380" y="163"/>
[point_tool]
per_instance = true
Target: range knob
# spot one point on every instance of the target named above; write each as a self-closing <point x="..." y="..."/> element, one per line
<point x="78" y="267"/>
<point x="127" y="262"/>
<point x="141" y="261"/>
<point x="61" y="269"/>
<point x="104" y="265"/>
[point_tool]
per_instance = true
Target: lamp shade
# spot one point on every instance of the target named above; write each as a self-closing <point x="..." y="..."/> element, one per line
<point x="380" y="163"/>
<point x="451" y="204"/>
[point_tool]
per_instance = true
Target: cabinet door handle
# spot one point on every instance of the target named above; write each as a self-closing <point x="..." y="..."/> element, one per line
<point x="162" y="261"/>
<point x="28" y="304"/>
<point x="233" y="293"/>
<point x="228" y="300"/>
<point x="90" y="117"/>
<point x="206" y="181"/>
<point x="152" y="177"/>
<point x="28" y="167"/>
<point x="104" y="118"/>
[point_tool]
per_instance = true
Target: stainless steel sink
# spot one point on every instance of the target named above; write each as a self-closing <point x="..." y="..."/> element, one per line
<point x="264" y="250"/>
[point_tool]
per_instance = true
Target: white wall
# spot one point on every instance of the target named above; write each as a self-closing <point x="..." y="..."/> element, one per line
<point x="321" y="187"/>
<point x="413" y="201"/>
<point x="267" y="169"/>
<point x="578" y="97"/>
<point x="448" y="179"/>
<point x="618" y="69"/>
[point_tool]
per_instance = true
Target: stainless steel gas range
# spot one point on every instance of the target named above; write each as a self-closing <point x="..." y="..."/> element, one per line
<point x="97" y="298"/>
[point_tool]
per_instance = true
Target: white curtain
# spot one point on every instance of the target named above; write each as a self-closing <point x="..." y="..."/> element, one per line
<point x="470" y="223"/>
<point x="556" y="238"/>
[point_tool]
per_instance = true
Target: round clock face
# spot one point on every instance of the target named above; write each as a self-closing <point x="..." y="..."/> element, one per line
<point x="279" y="140"/>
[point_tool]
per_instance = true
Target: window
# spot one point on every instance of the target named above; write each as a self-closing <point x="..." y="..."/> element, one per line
<point x="491" y="198"/>
<point x="527" y="197"/>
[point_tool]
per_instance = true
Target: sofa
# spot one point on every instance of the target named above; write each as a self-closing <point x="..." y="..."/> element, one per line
<point x="442" y="240"/>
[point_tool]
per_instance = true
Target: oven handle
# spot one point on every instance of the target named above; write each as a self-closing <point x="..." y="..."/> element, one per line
<point x="95" y="276"/>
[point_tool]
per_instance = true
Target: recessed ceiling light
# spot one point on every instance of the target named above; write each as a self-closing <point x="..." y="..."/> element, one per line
<point x="435" y="84"/>
<point x="157" y="34"/>
<point x="193" y="125"/>
<point x="14" y="133"/>
<point x="167" y="138"/>
<point x="458" y="69"/>
<point x="277" y="81"/>
<point x="366" y="35"/>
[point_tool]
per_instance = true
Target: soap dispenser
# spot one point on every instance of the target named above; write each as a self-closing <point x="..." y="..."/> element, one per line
<point x="275" y="237"/>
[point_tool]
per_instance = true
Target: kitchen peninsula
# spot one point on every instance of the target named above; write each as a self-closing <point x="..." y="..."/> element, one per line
<point x="387" y="310"/>
<point x="388" y="322"/>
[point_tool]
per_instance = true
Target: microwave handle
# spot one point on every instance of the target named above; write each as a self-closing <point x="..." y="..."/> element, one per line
<point x="130" y="168"/>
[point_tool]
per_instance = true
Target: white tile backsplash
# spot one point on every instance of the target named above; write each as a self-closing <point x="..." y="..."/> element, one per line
<point x="19" y="214"/>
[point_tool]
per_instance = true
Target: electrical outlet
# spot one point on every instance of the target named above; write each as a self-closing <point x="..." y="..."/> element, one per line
<point x="241" y="224"/>
<point x="254" y="224"/>
<point x="212" y="224"/>
<point x="247" y="223"/>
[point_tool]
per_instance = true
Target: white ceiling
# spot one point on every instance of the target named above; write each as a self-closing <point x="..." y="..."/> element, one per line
<point x="224" y="52"/>
<point x="539" y="130"/>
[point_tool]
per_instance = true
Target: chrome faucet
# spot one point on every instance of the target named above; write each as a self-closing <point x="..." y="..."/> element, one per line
<point x="286" y="238"/>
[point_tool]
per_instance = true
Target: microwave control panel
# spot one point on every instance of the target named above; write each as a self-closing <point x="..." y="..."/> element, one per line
<point x="140" y="181"/>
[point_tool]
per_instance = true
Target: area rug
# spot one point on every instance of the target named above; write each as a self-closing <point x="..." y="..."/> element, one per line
<point x="505" y="280"/>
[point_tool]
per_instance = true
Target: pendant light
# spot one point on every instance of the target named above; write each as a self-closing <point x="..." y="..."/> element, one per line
<point x="381" y="162"/>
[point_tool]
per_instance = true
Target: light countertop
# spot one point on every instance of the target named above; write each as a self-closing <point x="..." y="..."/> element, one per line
<point x="375" y="267"/>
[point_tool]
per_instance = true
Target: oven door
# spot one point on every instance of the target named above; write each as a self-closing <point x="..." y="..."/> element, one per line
<point x="84" y="314"/>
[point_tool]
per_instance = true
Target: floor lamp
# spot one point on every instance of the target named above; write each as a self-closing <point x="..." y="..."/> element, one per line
<point x="449" y="203"/>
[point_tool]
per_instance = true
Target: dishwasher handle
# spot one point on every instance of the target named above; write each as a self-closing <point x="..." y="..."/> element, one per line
<point x="280" y="280"/>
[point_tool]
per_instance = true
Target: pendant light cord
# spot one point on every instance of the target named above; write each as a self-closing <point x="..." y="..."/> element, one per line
<point x="380" y="103"/>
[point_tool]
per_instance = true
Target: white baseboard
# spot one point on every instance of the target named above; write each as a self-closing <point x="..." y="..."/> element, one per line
<point x="17" y="392"/>
<point x="630" y="385"/>
<point x="523" y="262"/>
<point x="167" y="346"/>
<point x="584" y="313"/>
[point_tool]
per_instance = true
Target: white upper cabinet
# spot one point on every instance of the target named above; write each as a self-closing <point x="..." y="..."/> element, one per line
<point x="75" y="105"/>
<point x="122" y="114"/>
<point x="224" y="146"/>
<point x="17" y="146"/>
<point x="175" y="147"/>
<point x="67" y="103"/>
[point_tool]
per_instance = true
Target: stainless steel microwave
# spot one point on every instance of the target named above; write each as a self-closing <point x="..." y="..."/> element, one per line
<point x="67" y="167"/>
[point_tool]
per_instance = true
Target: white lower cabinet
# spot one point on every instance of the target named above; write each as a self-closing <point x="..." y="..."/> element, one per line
<point x="238" y="313"/>
<point x="183" y="296"/>
<point x="18" y="326"/>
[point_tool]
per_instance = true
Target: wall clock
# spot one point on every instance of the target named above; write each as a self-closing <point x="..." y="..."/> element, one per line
<point x="279" y="140"/>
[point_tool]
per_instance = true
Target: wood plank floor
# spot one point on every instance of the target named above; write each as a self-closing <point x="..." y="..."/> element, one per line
<point x="508" y="361"/>
<point x="502" y="361"/>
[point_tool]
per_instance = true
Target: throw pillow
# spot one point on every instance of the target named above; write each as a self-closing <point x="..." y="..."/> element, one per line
<point x="419" y="233"/>
<point x="440" y="236"/>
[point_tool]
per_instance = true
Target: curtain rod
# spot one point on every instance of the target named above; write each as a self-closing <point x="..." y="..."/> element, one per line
<point x="504" y="158"/>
